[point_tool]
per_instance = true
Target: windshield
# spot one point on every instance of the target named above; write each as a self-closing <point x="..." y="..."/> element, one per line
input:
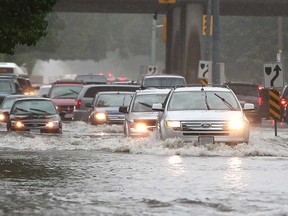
<point x="113" y="100"/>
<point x="163" y="81"/>
<point x="33" y="106"/>
<point x="203" y="100"/>
<point x="7" y="103"/>
<point x="6" y="86"/>
<point x="144" y="102"/>
<point x="66" y="92"/>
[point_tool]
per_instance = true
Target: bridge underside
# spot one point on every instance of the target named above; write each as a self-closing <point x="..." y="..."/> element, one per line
<point x="184" y="47"/>
<point x="227" y="7"/>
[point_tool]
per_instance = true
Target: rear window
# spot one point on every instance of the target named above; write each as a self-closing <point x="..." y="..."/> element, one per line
<point x="92" y="91"/>
<point x="163" y="82"/>
<point x="6" y="86"/>
<point x="245" y="90"/>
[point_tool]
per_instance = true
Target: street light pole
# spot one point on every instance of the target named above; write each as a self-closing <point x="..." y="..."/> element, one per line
<point x="153" y="40"/>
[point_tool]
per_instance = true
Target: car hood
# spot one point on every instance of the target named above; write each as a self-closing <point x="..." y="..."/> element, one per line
<point x="143" y="115"/>
<point x="64" y="101"/>
<point x="30" y="117"/>
<point x="203" y="115"/>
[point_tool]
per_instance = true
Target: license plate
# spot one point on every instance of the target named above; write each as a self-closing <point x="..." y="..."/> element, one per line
<point x="206" y="139"/>
<point x="35" y="130"/>
<point x="69" y="115"/>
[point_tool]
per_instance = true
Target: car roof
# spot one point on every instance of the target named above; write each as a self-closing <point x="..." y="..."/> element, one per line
<point x="163" y="75"/>
<point x="115" y="92"/>
<point x="35" y="98"/>
<point x="21" y="96"/>
<point x="241" y="84"/>
<point x="154" y="91"/>
<point x="199" y="88"/>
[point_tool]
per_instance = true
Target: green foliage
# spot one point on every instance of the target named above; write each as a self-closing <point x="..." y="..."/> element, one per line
<point x="22" y="22"/>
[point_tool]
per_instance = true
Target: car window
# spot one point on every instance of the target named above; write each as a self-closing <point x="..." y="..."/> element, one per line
<point x="163" y="81"/>
<point x="144" y="102"/>
<point x="245" y="90"/>
<point x="203" y="100"/>
<point x="33" y="106"/>
<point x="113" y="100"/>
<point x="6" y="86"/>
<point x="7" y="103"/>
<point x="68" y="92"/>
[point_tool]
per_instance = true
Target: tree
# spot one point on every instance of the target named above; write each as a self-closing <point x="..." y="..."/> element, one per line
<point x="22" y="22"/>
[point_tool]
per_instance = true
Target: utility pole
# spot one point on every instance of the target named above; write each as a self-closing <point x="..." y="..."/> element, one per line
<point x="208" y="49"/>
<point x="216" y="45"/>
<point x="280" y="39"/>
<point x="153" y="40"/>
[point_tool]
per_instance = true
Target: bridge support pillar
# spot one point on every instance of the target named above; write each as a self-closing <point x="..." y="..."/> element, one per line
<point x="184" y="40"/>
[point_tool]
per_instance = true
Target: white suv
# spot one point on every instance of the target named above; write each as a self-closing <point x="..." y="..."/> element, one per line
<point x="203" y="114"/>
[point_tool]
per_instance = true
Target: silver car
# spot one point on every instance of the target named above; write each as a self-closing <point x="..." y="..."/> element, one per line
<point x="204" y="115"/>
<point x="140" y="119"/>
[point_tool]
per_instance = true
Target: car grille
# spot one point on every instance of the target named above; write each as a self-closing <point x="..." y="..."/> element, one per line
<point x="115" y="118"/>
<point x="67" y="108"/>
<point x="212" y="127"/>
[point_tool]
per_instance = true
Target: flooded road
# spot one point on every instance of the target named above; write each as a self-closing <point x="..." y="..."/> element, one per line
<point x="96" y="171"/>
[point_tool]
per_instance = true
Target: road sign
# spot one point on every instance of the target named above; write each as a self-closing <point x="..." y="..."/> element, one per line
<point x="204" y="69"/>
<point x="274" y="104"/>
<point x="152" y="69"/>
<point x="273" y="75"/>
<point x="167" y="1"/>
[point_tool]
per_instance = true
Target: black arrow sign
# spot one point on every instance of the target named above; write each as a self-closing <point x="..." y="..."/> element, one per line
<point x="277" y="69"/>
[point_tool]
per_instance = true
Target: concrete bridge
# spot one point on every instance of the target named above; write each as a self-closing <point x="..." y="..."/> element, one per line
<point x="185" y="42"/>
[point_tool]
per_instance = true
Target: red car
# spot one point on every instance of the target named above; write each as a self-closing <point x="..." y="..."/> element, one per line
<point x="64" y="94"/>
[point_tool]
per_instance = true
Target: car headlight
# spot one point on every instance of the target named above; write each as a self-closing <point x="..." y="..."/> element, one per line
<point x="236" y="124"/>
<point x="52" y="124"/>
<point x="175" y="125"/>
<point x="100" y="116"/>
<point x="2" y="117"/>
<point x="17" y="124"/>
<point x="140" y="127"/>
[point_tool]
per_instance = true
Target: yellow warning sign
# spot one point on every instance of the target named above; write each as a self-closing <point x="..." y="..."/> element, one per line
<point x="274" y="104"/>
<point x="204" y="82"/>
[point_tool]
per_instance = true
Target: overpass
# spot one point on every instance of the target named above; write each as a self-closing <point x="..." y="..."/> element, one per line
<point x="184" y="47"/>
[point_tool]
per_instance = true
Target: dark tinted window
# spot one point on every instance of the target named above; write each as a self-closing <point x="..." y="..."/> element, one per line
<point x="92" y="91"/>
<point x="246" y="90"/>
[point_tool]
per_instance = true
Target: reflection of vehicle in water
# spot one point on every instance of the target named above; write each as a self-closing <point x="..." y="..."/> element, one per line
<point x="106" y="107"/>
<point x="35" y="115"/>
<point x="140" y="119"/>
<point x="161" y="81"/>
<point x="64" y="95"/>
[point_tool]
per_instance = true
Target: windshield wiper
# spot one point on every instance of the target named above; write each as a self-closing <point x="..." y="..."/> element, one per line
<point x="39" y="110"/>
<point x="206" y="101"/>
<point x="145" y="104"/>
<point x="225" y="102"/>
<point x="23" y="110"/>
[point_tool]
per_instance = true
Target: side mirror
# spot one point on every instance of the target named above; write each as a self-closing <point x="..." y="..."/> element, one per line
<point x="248" y="106"/>
<point x="157" y="107"/>
<point x="123" y="109"/>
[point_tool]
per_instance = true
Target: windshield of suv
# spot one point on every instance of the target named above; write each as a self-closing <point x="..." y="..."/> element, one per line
<point x="203" y="100"/>
<point x="113" y="100"/>
<point x="144" y="102"/>
<point x="33" y="106"/>
<point x="6" y="86"/>
<point x="66" y="92"/>
<point x="163" y="81"/>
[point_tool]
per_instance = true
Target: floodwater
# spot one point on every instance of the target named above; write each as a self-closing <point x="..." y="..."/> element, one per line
<point x="92" y="170"/>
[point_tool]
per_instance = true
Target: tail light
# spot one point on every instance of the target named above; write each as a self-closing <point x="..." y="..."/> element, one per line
<point x="78" y="104"/>
<point x="260" y="100"/>
<point x="283" y="102"/>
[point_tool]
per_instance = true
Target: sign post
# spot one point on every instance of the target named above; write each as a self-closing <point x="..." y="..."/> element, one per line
<point x="204" y="72"/>
<point x="273" y="79"/>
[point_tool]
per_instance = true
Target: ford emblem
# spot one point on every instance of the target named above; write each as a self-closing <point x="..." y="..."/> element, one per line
<point x="206" y="125"/>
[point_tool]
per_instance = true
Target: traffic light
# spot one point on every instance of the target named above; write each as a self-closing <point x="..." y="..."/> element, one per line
<point x="205" y="25"/>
